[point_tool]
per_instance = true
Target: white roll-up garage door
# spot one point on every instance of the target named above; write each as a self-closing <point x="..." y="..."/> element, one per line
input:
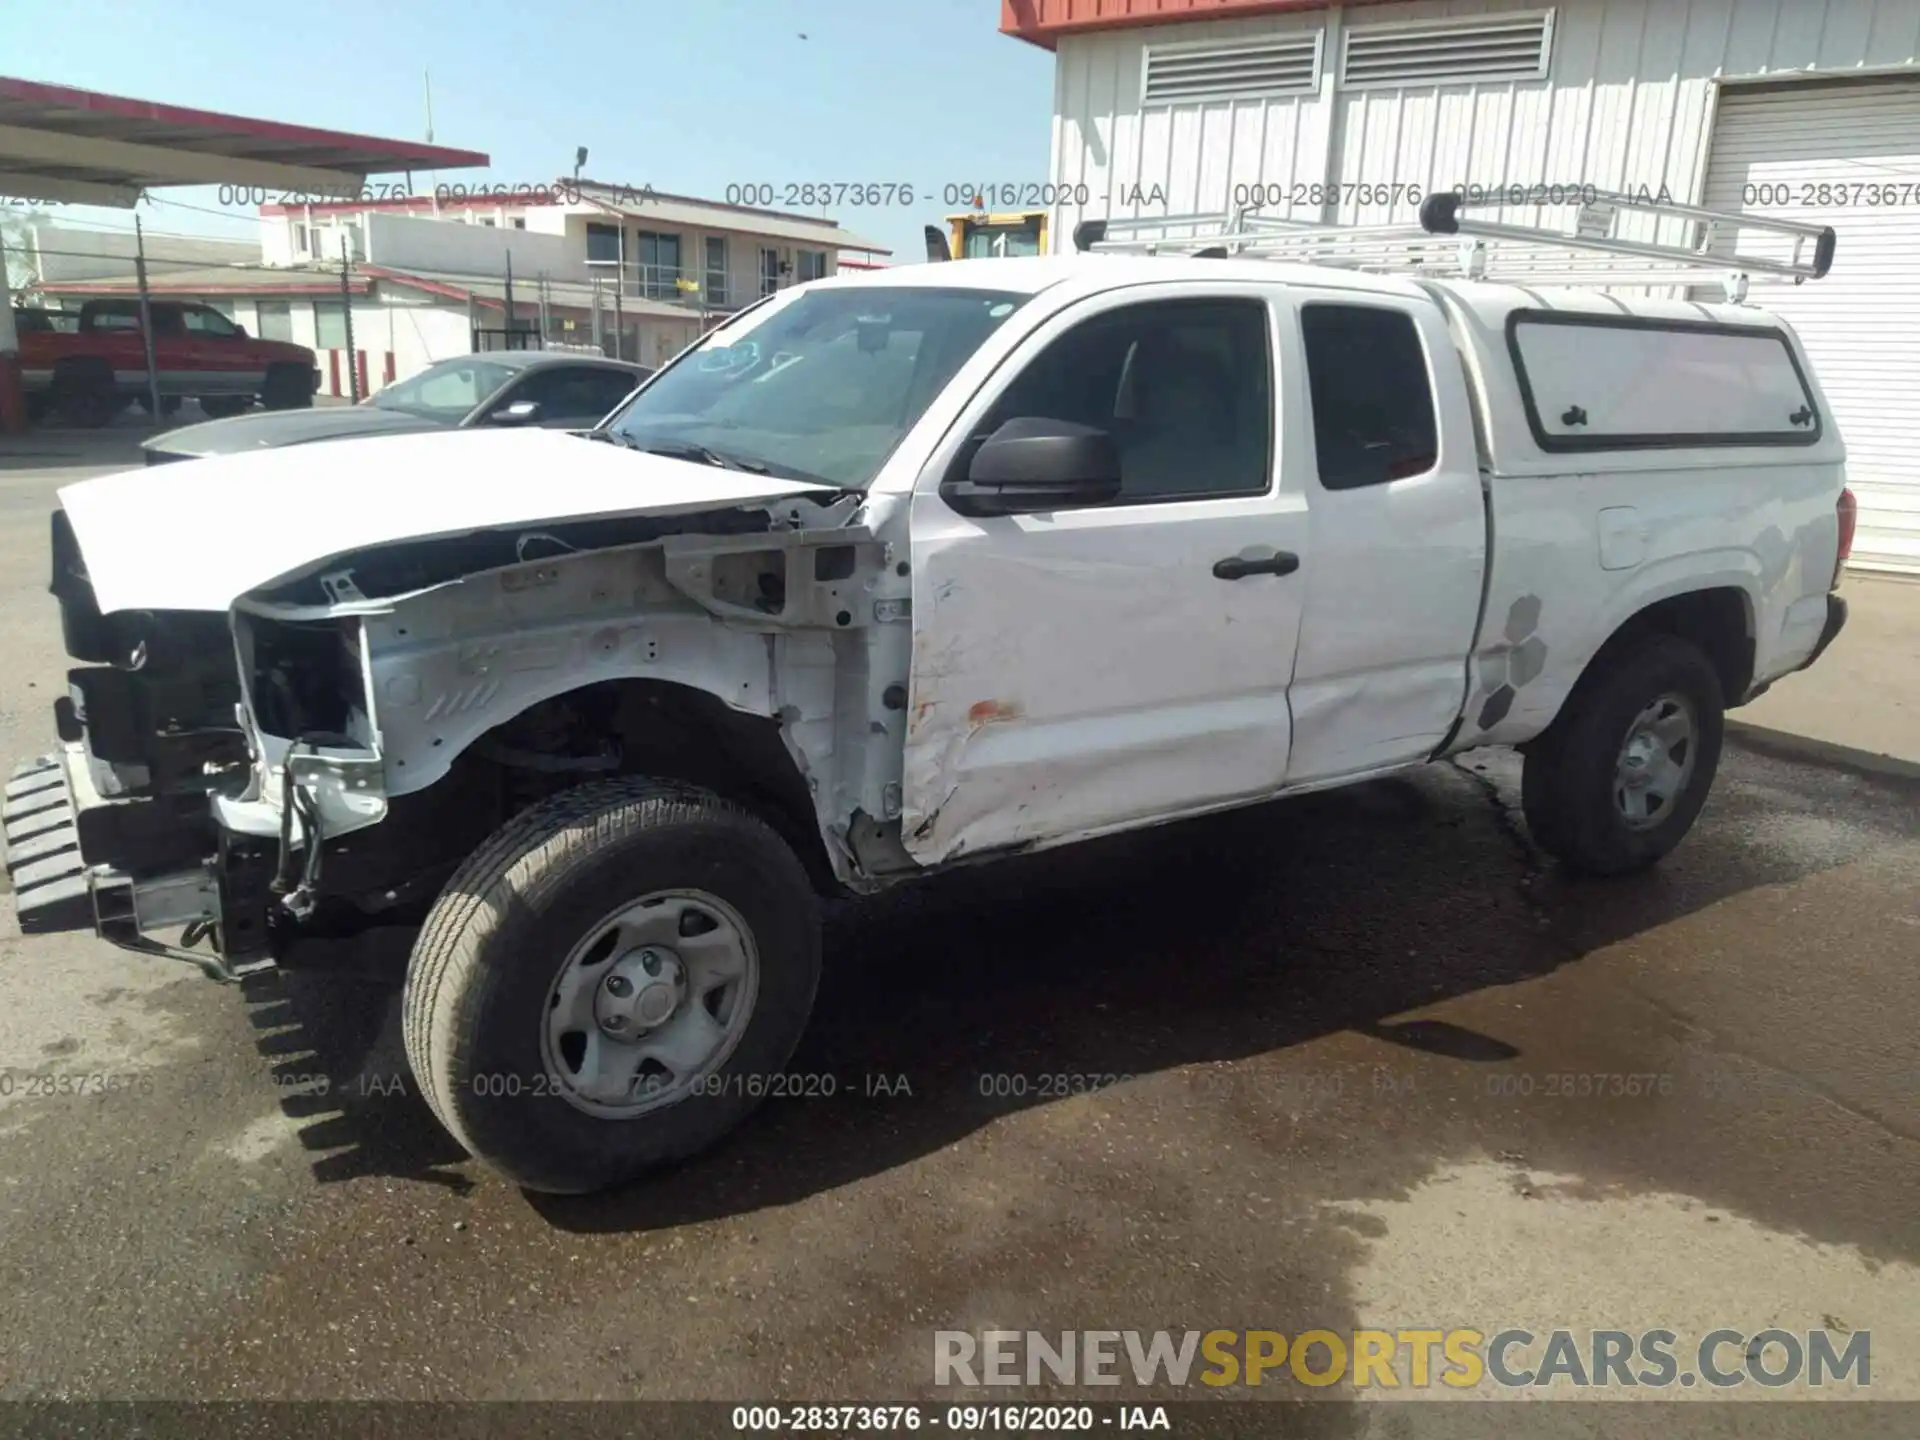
<point x="1774" y="148"/>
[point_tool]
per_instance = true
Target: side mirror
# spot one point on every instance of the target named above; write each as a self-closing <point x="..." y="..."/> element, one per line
<point x="520" y="412"/>
<point x="1034" y="463"/>
<point x="240" y="332"/>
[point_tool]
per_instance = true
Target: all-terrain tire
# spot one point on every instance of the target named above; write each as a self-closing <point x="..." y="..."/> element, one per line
<point x="1569" y="780"/>
<point x="485" y="964"/>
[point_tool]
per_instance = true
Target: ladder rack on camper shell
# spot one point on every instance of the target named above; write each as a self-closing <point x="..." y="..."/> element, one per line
<point x="1448" y="244"/>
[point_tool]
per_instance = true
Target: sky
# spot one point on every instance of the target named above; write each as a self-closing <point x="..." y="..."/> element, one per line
<point x="689" y="97"/>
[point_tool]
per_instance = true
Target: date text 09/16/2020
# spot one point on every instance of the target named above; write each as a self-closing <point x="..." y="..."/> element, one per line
<point x="869" y="194"/>
<point x="460" y="192"/>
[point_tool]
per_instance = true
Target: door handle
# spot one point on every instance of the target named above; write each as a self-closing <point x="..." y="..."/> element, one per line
<point x="1238" y="567"/>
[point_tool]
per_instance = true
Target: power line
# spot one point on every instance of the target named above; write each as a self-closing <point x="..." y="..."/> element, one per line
<point x="203" y="210"/>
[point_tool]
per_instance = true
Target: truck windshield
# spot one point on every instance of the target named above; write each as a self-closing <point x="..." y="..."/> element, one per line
<point x="820" y="388"/>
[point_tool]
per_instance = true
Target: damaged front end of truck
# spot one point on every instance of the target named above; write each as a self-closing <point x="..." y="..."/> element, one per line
<point x="321" y="752"/>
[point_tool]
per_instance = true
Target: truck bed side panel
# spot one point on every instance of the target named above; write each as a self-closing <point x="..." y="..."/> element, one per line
<point x="1583" y="541"/>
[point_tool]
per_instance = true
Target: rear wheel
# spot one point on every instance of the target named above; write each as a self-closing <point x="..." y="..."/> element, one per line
<point x="287" y="387"/>
<point x="604" y="986"/>
<point x="1620" y="778"/>
<point x="86" y="395"/>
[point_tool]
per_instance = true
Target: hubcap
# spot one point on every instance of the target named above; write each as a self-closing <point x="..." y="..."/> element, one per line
<point x="654" y="998"/>
<point x="1656" y="762"/>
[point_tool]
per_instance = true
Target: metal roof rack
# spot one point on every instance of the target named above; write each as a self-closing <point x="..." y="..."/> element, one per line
<point x="1448" y="244"/>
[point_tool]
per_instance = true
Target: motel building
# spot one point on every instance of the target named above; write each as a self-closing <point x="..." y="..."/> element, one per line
<point x="586" y="265"/>
<point x="1804" y="109"/>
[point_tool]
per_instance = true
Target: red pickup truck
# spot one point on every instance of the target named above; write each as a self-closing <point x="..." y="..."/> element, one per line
<point x="88" y="369"/>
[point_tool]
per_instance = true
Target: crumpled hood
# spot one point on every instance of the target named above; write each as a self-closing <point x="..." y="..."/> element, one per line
<point x="199" y="535"/>
<point x="265" y="429"/>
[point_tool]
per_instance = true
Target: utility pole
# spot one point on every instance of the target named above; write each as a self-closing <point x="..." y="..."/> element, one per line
<point x="508" y="342"/>
<point x="346" y="314"/>
<point x="146" y="317"/>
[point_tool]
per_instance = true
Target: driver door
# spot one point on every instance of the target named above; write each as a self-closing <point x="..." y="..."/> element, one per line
<point x="1079" y="671"/>
<point x="212" y="352"/>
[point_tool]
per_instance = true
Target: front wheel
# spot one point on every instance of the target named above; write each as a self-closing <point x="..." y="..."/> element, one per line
<point x="606" y="984"/>
<point x="1620" y="778"/>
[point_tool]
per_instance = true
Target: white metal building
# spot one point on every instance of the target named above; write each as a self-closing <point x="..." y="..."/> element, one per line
<point x="1806" y="109"/>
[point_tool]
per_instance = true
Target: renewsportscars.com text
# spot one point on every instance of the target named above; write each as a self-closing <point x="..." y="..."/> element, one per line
<point x="1414" y="1359"/>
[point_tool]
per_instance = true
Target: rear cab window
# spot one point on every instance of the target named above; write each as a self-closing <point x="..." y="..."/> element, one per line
<point x="1373" y="410"/>
<point x="1605" y="382"/>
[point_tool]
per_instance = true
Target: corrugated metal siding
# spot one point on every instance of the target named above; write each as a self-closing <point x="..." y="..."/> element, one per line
<point x="1626" y="104"/>
<point x="1861" y="323"/>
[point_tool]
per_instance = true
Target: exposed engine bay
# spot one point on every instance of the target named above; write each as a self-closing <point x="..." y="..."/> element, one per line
<point x="325" y="754"/>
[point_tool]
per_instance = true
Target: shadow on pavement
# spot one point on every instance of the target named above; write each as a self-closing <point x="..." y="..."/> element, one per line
<point x="1199" y="943"/>
<point x="53" y="446"/>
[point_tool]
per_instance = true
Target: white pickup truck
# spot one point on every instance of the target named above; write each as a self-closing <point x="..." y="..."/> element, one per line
<point x="904" y="571"/>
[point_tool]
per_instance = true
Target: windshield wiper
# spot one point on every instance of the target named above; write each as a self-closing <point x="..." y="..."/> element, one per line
<point x="686" y="450"/>
<point x="706" y="455"/>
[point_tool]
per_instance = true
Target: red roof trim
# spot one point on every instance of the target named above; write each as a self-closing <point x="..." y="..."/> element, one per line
<point x="485" y="302"/>
<point x="1043" y="22"/>
<point x="379" y="154"/>
<point x="161" y="287"/>
<point x="432" y="287"/>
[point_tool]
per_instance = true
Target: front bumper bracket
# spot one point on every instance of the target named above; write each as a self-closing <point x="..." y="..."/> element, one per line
<point x="56" y="889"/>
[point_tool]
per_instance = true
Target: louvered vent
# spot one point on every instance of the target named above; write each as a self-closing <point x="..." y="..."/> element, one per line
<point x="1448" y="52"/>
<point x="1231" y="70"/>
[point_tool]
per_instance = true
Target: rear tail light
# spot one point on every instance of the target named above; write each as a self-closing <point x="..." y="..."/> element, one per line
<point x="1847" y="509"/>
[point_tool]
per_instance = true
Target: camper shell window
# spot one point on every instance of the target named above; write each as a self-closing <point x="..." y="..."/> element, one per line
<point x="1621" y="382"/>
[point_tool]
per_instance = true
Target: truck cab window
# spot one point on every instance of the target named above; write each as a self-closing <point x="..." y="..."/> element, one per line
<point x="1184" y="386"/>
<point x="112" y="317"/>
<point x="1373" y="415"/>
<point x="205" y="320"/>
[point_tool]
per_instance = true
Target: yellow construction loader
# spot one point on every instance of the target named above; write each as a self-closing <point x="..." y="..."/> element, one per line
<point x="978" y="234"/>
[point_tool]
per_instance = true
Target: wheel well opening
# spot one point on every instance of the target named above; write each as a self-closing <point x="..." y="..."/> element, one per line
<point x="1718" y="621"/>
<point x="673" y="732"/>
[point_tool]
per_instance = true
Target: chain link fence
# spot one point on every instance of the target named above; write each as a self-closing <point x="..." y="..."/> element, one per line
<point x="136" y="322"/>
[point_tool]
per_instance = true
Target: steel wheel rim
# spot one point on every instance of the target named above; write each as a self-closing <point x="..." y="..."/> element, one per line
<point x="653" y="1000"/>
<point x="1656" y="761"/>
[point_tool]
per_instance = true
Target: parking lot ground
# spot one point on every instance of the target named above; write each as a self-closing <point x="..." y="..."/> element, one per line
<point x="1864" y="695"/>
<point x="1358" y="1060"/>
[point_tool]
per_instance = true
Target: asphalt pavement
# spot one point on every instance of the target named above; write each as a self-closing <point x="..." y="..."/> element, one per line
<point x="1315" y="1065"/>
